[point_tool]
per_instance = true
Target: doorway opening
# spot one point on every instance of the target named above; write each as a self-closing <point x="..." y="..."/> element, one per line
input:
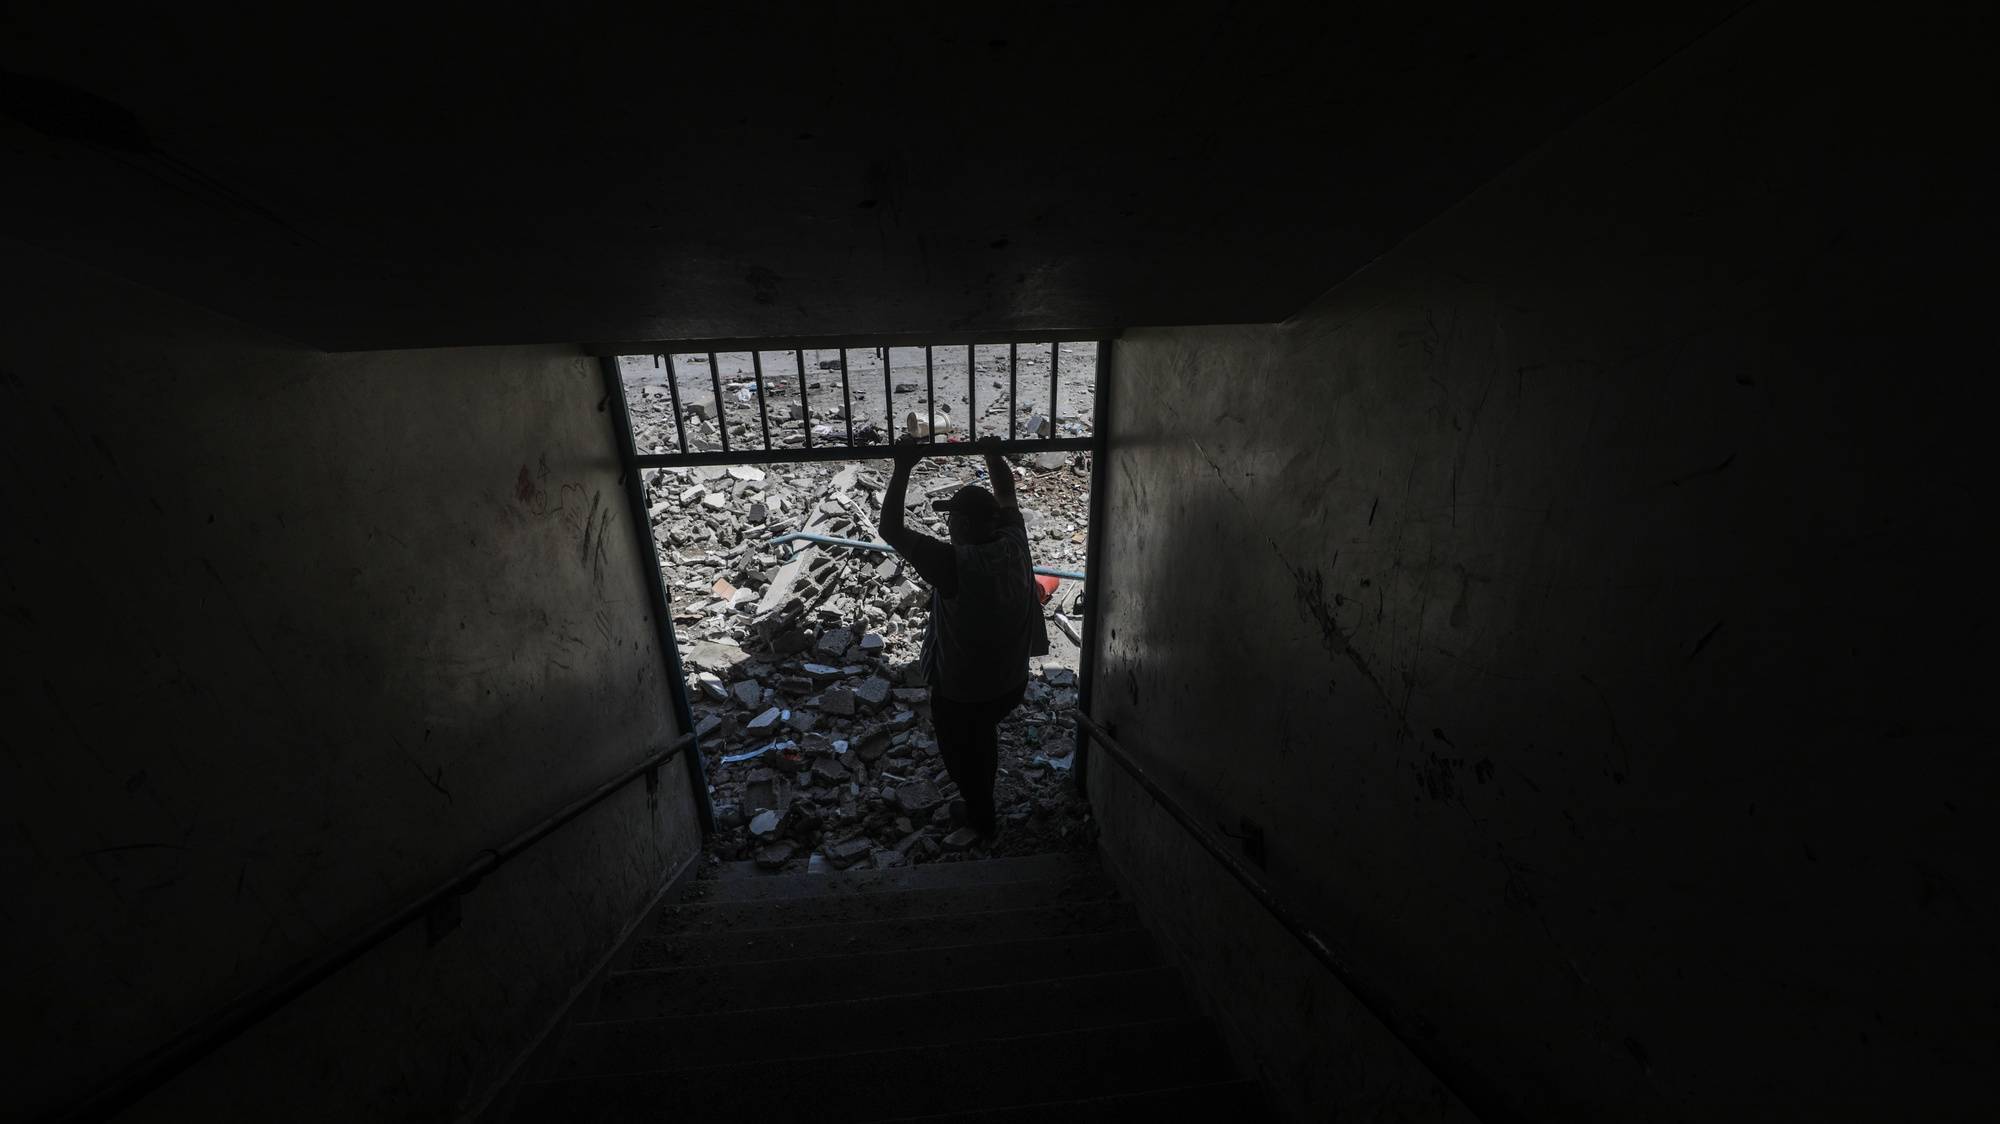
<point x="761" y="476"/>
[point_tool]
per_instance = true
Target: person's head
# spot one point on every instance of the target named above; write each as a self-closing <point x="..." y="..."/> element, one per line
<point x="970" y="514"/>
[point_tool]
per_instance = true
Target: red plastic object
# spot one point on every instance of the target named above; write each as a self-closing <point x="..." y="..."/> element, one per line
<point x="1046" y="587"/>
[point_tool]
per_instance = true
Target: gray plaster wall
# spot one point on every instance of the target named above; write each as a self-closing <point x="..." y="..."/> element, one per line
<point x="292" y="638"/>
<point x="1585" y="600"/>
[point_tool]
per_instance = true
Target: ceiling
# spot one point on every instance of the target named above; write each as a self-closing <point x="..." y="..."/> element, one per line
<point x="747" y="171"/>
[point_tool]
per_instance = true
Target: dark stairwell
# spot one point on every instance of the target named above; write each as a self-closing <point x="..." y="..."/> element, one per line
<point x="1541" y="549"/>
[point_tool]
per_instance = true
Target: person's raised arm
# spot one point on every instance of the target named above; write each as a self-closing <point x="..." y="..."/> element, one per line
<point x="906" y="454"/>
<point x="998" y="471"/>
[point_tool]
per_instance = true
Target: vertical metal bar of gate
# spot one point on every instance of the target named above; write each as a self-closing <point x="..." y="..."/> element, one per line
<point x="930" y="392"/>
<point x="763" y="411"/>
<point x="1093" y="560"/>
<point x="673" y="389"/>
<point x="1055" y="367"/>
<point x="721" y="417"/>
<point x="656" y="587"/>
<point x="1013" y="388"/>
<point x="805" y="401"/>
<point x="846" y="399"/>
<point x="971" y="397"/>
<point x="888" y="399"/>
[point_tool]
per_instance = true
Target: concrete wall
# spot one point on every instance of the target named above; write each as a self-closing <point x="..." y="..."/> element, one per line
<point x="1578" y="600"/>
<point x="294" y="637"/>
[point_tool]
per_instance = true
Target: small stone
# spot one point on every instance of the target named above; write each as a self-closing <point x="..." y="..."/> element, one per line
<point x="912" y="694"/>
<point x="1049" y="462"/>
<point x="961" y="839"/>
<point x="887" y="860"/>
<point x="822" y="671"/>
<point x="758" y="512"/>
<point x="1059" y="676"/>
<point x="710" y="684"/>
<point x="764" y="824"/>
<point x="873" y="691"/>
<point x="765" y="721"/>
<point x="715" y="501"/>
<point x="1038" y="426"/>
<point x="801" y="720"/>
<point x="777" y="854"/>
<point x="834" y="643"/>
<point x="903" y="825"/>
<point x="748" y="693"/>
<point x="829" y="770"/>
<point x="722" y="589"/>
<point x="728" y="816"/>
<point x="707" y="726"/>
<point x="745" y="472"/>
<point x="871" y="643"/>
<point x="837" y="700"/>
<point x="903" y="720"/>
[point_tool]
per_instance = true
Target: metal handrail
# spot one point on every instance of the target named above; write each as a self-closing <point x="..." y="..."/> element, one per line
<point x="223" y="1027"/>
<point x="1322" y="950"/>
<point x="862" y="544"/>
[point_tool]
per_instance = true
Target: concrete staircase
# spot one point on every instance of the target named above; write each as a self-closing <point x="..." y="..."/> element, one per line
<point x="1011" y="989"/>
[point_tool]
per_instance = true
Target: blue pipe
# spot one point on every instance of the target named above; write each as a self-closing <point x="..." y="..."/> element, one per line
<point x="829" y="540"/>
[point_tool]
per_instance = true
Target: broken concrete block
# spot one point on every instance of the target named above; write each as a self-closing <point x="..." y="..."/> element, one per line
<point x="776" y="855"/>
<point x="715" y="501"/>
<point x="1059" y="676"/>
<point x="873" y="691"/>
<point x="765" y="721"/>
<point x="764" y="824"/>
<point x="822" y="672"/>
<point x="871" y="643"/>
<point x="834" y="643"/>
<point x="961" y="839"/>
<point x="748" y="693"/>
<point x="710" y="686"/>
<point x="837" y="700"/>
<point x="801" y="720"/>
<point x="745" y="472"/>
<point x="829" y="770"/>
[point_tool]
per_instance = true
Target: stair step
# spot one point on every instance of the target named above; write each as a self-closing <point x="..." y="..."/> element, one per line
<point x="726" y="947"/>
<point x="663" y="992"/>
<point x="933" y="1018"/>
<point x="871" y="1085"/>
<point x="1223" y="1100"/>
<point x="937" y="901"/>
<point x="742" y="882"/>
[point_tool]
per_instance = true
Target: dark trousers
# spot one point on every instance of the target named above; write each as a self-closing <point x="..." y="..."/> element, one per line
<point x="968" y="737"/>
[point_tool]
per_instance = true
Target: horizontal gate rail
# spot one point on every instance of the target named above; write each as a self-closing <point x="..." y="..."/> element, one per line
<point x="859" y="452"/>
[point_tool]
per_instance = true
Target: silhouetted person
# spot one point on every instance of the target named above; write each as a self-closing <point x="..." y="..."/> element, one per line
<point x="986" y="620"/>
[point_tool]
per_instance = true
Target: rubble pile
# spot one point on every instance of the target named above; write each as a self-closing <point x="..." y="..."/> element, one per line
<point x="813" y="718"/>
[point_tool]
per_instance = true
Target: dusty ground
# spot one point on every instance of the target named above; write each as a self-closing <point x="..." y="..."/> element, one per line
<point x="814" y="721"/>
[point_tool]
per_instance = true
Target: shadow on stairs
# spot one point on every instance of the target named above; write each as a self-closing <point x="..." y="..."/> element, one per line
<point x="1011" y="989"/>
